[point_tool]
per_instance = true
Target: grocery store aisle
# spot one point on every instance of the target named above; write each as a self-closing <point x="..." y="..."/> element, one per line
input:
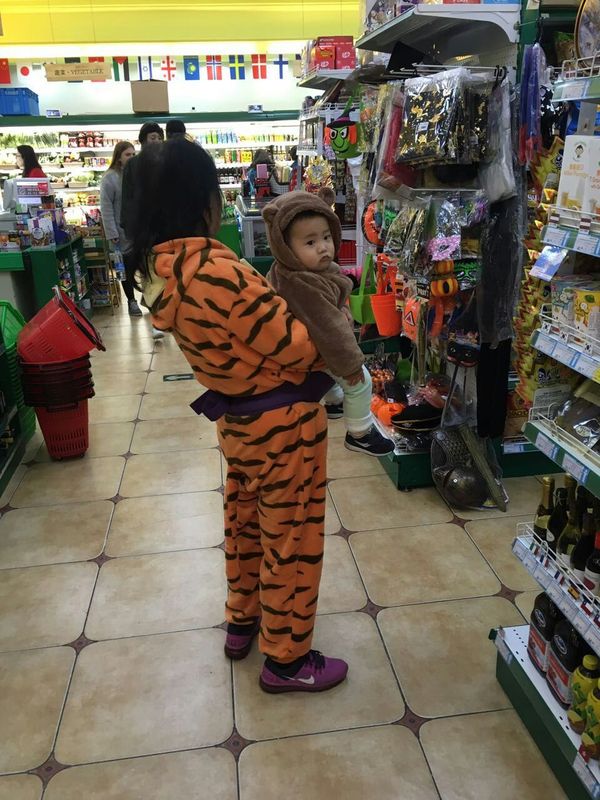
<point x="113" y="682"/>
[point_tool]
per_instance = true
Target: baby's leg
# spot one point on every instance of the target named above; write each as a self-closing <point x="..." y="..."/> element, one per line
<point x="362" y="436"/>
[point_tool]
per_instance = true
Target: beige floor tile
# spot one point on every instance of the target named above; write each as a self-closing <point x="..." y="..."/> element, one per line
<point x="30" y="537"/>
<point x="114" y="409"/>
<point x="147" y="695"/>
<point x="430" y="645"/>
<point x="170" y="473"/>
<point x="369" y="696"/>
<point x="524" y="495"/>
<point x="44" y="606"/>
<point x="156" y="382"/>
<point x="32" y="692"/>
<point x="341" y="587"/>
<point x="413" y="565"/>
<point x="170" y="362"/>
<point x="112" y="364"/>
<point x="485" y="756"/>
<point x="494" y="537"/>
<point x="343" y="463"/>
<point x="106" y="439"/>
<point x="117" y="346"/>
<point x="337" y="429"/>
<point x="332" y="521"/>
<point x="174" y="776"/>
<point x="365" y="504"/>
<point x="167" y="405"/>
<point x="20" y="787"/>
<point x="137" y="595"/>
<point x="127" y="383"/>
<point x="525" y="601"/>
<point x="69" y="482"/>
<point x="33" y="445"/>
<point x="172" y="435"/>
<point x="384" y="763"/>
<point x="164" y="523"/>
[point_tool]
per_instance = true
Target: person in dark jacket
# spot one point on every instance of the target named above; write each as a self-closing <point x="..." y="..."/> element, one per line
<point x="150" y="134"/>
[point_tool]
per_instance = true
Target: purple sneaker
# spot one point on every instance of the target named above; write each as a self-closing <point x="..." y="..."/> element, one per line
<point x="317" y="674"/>
<point x="237" y="646"/>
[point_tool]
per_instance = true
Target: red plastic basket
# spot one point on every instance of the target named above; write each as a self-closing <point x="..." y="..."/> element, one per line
<point x="58" y="332"/>
<point x="65" y="429"/>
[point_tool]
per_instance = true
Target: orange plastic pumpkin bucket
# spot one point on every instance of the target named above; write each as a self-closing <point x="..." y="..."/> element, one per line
<point x="387" y="317"/>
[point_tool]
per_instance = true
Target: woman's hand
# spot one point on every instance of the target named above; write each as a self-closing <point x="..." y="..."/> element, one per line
<point x="355" y="377"/>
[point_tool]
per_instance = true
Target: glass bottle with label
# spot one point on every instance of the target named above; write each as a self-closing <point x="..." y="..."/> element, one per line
<point x="584" y="547"/>
<point x="558" y="519"/>
<point x="584" y="680"/>
<point x="570" y="533"/>
<point x="591" y="577"/>
<point x="545" y="508"/>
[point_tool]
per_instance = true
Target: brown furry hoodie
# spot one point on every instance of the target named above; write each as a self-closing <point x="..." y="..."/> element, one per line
<point x="315" y="298"/>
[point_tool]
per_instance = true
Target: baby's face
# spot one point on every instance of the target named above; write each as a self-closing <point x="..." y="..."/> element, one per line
<point x="310" y="240"/>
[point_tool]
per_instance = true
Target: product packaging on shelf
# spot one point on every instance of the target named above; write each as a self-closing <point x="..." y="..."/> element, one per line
<point x="579" y="186"/>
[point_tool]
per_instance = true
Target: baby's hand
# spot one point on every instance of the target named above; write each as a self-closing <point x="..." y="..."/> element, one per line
<point x="355" y="377"/>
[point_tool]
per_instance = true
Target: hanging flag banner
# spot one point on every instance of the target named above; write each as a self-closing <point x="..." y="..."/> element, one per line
<point x="97" y="60"/>
<point x="144" y="68"/>
<point x="191" y="68"/>
<point x="120" y="68"/>
<point x="79" y="72"/>
<point x="214" y="70"/>
<point x="259" y="67"/>
<point x="168" y="68"/>
<point x="237" y="68"/>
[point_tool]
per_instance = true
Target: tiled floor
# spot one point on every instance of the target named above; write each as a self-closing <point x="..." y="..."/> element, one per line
<point x="113" y="683"/>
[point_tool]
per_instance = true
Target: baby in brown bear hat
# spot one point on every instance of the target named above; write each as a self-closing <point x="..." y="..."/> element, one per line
<point x="304" y="236"/>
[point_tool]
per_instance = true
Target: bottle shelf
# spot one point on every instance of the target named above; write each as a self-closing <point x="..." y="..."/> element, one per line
<point x="560" y="583"/>
<point x="543" y="715"/>
<point x="323" y="78"/>
<point x="564" y="450"/>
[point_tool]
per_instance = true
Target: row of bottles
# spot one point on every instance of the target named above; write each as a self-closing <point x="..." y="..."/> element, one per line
<point x="572" y="671"/>
<point x="568" y="519"/>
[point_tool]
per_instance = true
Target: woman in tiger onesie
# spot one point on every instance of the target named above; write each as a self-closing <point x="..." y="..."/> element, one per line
<point x="263" y="375"/>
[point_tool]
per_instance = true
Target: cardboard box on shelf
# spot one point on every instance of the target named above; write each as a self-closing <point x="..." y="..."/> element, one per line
<point x="150" y="97"/>
<point x="322" y="57"/>
<point x="345" y="56"/>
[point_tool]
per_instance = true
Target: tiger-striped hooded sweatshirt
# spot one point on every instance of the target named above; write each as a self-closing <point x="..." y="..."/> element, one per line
<point x="237" y="334"/>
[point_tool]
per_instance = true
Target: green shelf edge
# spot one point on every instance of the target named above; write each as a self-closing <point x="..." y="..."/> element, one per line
<point x="12" y="262"/>
<point x="554" y="745"/>
<point x="85" y="121"/>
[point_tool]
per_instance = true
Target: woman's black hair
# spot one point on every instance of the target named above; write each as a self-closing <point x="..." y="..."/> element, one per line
<point x="176" y="192"/>
<point x="148" y="128"/>
<point x="30" y="160"/>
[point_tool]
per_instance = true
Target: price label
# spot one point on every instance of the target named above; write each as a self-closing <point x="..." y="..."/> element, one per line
<point x="514" y="447"/>
<point x="545" y="446"/>
<point x="555" y="236"/>
<point x="567" y="606"/>
<point x="519" y="549"/>
<point x="586" y="366"/>
<point x="503" y="648"/>
<point x="89" y="243"/>
<point x="592" y="637"/>
<point x="555" y="593"/>
<point x="586" y="243"/>
<point x="530" y="563"/>
<point x="574" y="468"/>
<point x="545" y="344"/>
<point x="564" y="354"/>
<point x="581" y="623"/>
<point x="542" y="577"/>
<point x="581" y="769"/>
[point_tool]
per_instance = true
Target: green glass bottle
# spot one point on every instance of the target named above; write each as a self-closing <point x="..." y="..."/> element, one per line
<point x="570" y="533"/>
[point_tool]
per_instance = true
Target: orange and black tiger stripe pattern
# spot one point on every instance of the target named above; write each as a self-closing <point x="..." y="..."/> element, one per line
<point x="275" y="495"/>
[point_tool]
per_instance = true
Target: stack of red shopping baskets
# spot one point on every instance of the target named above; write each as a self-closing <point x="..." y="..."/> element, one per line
<point x="57" y="380"/>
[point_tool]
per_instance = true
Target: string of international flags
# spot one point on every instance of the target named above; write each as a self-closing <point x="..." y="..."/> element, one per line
<point x="257" y="66"/>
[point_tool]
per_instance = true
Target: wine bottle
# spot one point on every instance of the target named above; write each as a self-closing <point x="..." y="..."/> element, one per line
<point x="584" y="547"/>
<point x="583" y="504"/>
<point x="592" y="568"/>
<point x="570" y="533"/>
<point x="545" y="508"/>
<point x="558" y="519"/>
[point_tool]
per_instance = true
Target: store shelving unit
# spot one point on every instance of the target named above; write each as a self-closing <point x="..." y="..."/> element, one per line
<point x="452" y="29"/>
<point x="545" y="719"/>
<point x="323" y="78"/>
<point x="573" y="348"/>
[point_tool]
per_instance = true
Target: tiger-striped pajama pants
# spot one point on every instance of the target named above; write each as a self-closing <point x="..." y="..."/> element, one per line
<point x="274" y="523"/>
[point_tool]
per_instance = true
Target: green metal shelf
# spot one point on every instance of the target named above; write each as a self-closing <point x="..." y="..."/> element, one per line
<point x="12" y="261"/>
<point x="87" y="121"/>
<point x="571" y="239"/>
<point x="545" y="719"/>
<point x="577" y="89"/>
<point x="567" y="354"/>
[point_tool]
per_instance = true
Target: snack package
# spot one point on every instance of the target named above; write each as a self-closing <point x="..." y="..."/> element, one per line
<point x="404" y="236"/>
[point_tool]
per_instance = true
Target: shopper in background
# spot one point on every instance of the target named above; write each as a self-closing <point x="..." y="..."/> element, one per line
<point x="110" y="207"/>
<point x="150" y="134"/>
<point x="256" y="360"/>
<point x="175" y="127"/>
<point x="28" y="162"/>
<point x="294" y="168"/>
<point x="261" y="156"/>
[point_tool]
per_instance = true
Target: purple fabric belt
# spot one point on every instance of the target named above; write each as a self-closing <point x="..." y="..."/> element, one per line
<point x="214" y="405"/>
